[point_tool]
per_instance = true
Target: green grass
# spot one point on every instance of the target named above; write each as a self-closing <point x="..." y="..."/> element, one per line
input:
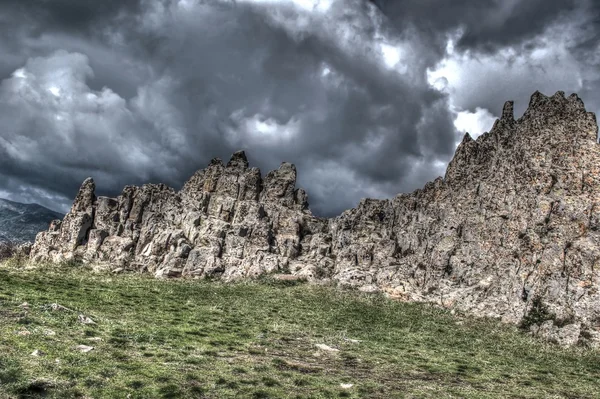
<point x="195" y="339"/>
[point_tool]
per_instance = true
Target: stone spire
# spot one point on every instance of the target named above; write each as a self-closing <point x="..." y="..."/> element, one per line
<point x="508" y="112"/>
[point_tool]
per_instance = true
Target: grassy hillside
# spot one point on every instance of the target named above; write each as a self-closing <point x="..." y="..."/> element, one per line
<point x="193" y="339"/>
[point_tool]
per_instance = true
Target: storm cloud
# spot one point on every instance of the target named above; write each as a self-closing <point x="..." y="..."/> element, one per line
<point x="367" y="98"/>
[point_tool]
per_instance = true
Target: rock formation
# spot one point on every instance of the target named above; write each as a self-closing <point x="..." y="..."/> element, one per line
<point x="512" y="226"/>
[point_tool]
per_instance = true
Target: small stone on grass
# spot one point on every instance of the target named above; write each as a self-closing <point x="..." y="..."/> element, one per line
<point x="84" y="348"/>
<point x="37" y="353"/>
<point x="61" y="308"/>
<point x="328" y="348"/>
<point x="85" y="320"/>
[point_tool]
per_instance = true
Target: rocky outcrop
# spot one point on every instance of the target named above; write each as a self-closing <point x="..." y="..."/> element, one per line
<point x="514" y="222"/>
<point x="226" y="222"/>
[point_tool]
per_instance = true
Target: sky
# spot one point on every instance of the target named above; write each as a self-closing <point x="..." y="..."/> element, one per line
<point x="366" y="98"/>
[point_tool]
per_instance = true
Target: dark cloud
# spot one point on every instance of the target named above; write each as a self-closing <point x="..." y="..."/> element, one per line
<point x="149" y="91"/>
<point x="486" y="24"/>
<point x="517" y="23"/>
<point x="79" y="16"/>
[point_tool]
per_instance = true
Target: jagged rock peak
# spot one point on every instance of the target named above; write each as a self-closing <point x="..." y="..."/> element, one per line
<point x="238" y="181"/>
<point x="216" y="162"/>
<point x="508" y="111"/>
<point x="85" y="197"/>
<point x="546" y="118"/>
<point x="238" y="161"/>
<point x="539" y="101"/>
<point x="536" y="98"/>
<point x="466" y="138"/>
<point x="280" y="185"/>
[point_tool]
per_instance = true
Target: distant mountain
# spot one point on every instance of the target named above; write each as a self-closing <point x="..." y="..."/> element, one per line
<point x="21" y="222"/>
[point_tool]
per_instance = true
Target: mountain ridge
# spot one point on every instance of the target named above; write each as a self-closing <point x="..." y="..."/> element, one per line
<point x="514" y="223"/>
<point x="21" y="222"/>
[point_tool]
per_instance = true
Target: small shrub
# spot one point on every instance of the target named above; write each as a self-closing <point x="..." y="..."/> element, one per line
<point x="538" y="313"/>
<point x="276" y="280"/>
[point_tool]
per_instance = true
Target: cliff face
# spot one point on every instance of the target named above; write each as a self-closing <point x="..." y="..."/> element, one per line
<point x="513" y="224"/>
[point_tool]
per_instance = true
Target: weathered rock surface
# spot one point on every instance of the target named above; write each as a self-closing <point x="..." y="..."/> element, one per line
<point x="516" y="217"/>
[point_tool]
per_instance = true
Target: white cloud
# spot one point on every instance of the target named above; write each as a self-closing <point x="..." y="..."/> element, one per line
<point x="391" y="54"/>
<point x="249" y="131"/>
<point x="474" y="123"/>
<point x="19" y="73"/>
<point x="306" y="5"/>
<point x="54" y="90"/>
